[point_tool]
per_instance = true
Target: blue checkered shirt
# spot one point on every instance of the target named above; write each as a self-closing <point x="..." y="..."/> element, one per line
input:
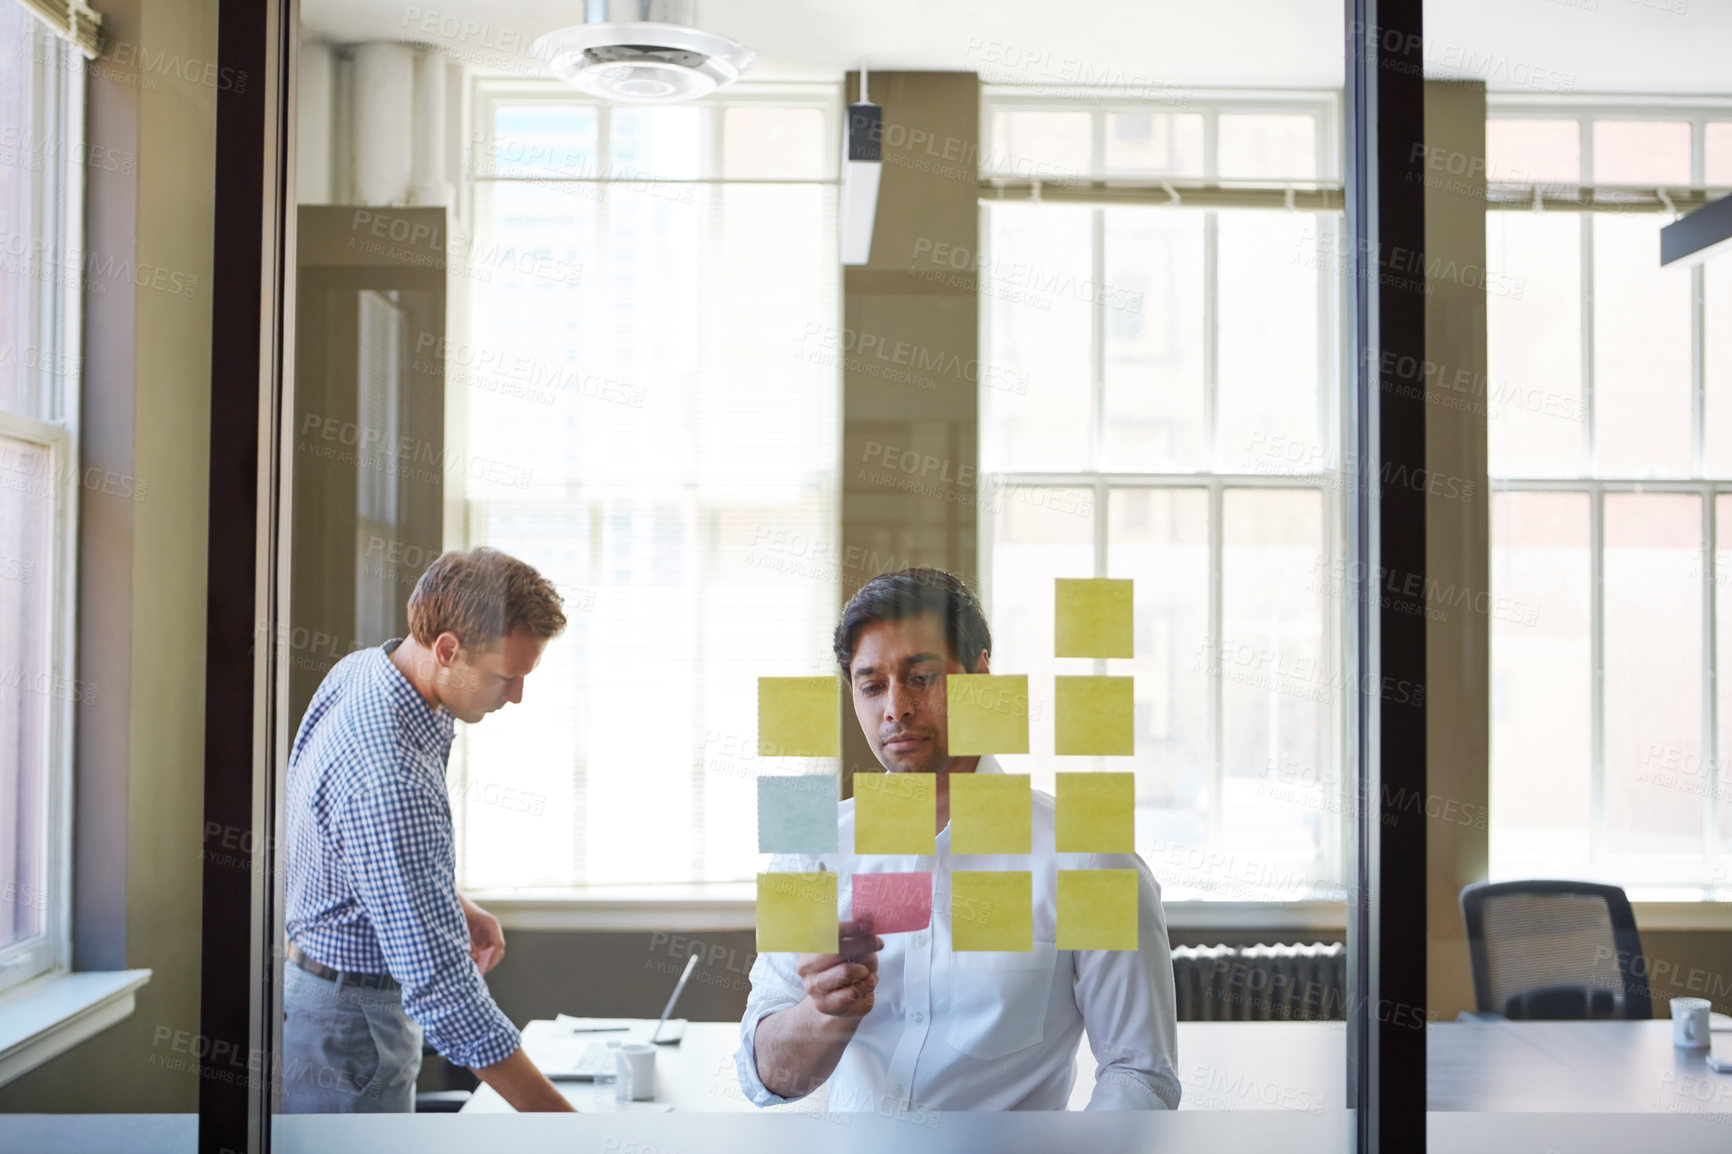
<point x="371" y="857"/>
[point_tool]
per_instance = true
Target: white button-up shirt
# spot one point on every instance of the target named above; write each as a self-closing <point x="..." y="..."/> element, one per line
<point x="989" y="1030"/>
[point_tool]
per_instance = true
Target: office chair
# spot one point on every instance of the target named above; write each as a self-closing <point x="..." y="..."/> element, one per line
<point x="1555" y="950"/>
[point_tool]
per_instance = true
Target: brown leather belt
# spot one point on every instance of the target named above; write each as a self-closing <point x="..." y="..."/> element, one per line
<point x="341" y="977"/>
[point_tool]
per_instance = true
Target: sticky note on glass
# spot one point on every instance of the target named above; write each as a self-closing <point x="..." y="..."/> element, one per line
<point x="1094" y="715"/>
<point x="987" y="713"/>
<point x="797" y="717"/>
<point x="1092" y="617"/>
<point x="1094" y="813"/>
<point x="1097" y="909"/>
<point x="992" y="910"/>
<point x="896" y="903"/>
<point x="989" y="813"/>
<point x="797" y="913"/>
<point x="895" y="813"/>
<point x="797" y="813"/>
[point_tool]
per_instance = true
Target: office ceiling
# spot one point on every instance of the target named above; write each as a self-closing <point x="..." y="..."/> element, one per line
<point x="1672" y="46"/>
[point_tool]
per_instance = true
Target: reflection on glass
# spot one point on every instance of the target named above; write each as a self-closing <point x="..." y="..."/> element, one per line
<point x="1038" y="535"/>
<point x="1642" y="401"/>
<point x="1717" y="153"/>
<point x="1159" y="538"/>
<point x="656" y="142"/>
<point x="1266" y="147"/>
<point x="1278" y="685"/>
<point x="1039" y="144"/>
<point x="1154" y="414"/>
<point x="1721" y="773"/>
<point x="1521" y="151"/>
<point x="1653" y="671"/>
<point x="1541" y="688"/>
<point x="1641" y="152"/>
<point x="1154" y="144"/>
<point x="1268" y="344"/>
<point x="699" y="336"/>
<point x="1040" y="337"/>
<point x="773" y="143"/>
<point x="1717" y="367"/>
<point x="1534" y="411"/>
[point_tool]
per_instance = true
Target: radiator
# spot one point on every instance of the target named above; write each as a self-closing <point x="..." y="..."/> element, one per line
<point x="1261" y="983"/>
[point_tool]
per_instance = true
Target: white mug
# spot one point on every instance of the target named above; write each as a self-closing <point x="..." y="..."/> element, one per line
<point x="640" y="1057"/>
<point x="1690" y="1023"/>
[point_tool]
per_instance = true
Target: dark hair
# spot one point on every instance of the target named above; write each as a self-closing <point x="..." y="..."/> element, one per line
<point x="894" y="596"/>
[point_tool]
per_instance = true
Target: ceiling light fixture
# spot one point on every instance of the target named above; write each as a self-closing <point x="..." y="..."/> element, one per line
<point x="646" y="51"/>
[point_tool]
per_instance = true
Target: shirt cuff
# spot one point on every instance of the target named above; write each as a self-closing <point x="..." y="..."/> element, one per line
<point x="1123" y="1090"/>
<point x="746" y="1059"/>
<point x="496" y="1043"/>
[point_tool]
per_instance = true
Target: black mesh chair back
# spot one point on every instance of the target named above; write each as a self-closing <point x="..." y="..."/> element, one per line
<point x="1555" y="950"/>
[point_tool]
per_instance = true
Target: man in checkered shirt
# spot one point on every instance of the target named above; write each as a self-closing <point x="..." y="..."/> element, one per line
<point x="383" y="949"/>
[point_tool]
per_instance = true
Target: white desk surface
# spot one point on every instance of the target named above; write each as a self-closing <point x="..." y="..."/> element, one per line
<point x="1222" y="1065"/>
<point x="1517" y="1067"/>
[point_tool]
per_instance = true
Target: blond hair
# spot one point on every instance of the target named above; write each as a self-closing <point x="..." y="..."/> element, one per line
<point x="481" y="596"/>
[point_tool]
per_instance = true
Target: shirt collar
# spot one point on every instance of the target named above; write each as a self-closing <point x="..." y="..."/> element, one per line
<point x="433" y="729"/>
<point x="988" y="764"/>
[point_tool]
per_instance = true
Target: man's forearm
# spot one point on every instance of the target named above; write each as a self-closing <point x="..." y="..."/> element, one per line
<point x="522" y="1085"/>
<point x="798" y="1048"/>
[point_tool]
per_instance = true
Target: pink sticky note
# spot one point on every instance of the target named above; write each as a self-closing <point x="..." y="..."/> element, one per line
<point x="896" y="903"/>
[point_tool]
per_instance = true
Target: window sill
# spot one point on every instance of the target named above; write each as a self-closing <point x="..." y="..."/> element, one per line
<point x="721" y="908"/>
<point x="49" y="1015"/>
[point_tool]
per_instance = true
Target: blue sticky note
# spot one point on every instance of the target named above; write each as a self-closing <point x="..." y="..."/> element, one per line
<point x="797" y="813"/>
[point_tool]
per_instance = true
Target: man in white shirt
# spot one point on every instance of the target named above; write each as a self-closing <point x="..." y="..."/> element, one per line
<point x="904" y="1023"/>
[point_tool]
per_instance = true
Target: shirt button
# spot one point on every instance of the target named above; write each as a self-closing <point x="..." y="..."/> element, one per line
<point x="920" y="939"/>
<point x="896" y="1088"/>
<point x="919" y="1018"/>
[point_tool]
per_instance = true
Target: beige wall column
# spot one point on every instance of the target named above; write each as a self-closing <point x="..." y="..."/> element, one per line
<point x="910" y="347"/>
<point x="1457" y="533"/>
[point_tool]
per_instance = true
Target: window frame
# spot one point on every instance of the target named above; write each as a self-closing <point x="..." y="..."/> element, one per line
<point x="56" y="192"/>
<point x="1213" y="474"/>
<point x="1649" y="872"/>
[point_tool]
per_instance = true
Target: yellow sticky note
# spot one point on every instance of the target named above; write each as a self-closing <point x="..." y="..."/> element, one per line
<point x="989" y="813"/>
<point x="797" y="913"/>
<point x="797" y="717"/>
<point x="1094" y="813"/>
<point x="992" y="910"/>
<point x="988" y="713"/>
<point x="1097" y="909"/>
<point x="1092" y="617"/>
<point x="895" y="813"/>
<point x="1094" y="715"/>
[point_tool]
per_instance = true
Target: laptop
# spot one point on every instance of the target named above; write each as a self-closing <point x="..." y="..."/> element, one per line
<point x="596" y="1058"/>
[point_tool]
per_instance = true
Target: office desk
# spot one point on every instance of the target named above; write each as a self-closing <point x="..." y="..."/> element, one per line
<point x="1222" y="1065"/>
<point x="1492" y="1067"/>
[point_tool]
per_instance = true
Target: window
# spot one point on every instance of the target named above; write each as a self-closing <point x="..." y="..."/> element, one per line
<point x="40" y="147"/>
<point x="1161" y="402"/>
<point x="654" y="350"/>
<point x="1610" y="449"/>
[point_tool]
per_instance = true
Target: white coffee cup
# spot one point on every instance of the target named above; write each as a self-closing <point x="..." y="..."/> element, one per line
<point x="638" y="1059"/>
<point x="1690" y="1023"/>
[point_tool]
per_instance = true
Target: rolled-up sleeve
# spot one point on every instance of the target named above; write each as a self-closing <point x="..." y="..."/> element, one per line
<point x="394" y="836"/>
<point x="776" y="986"/>
<point x="1127" y="1003"/>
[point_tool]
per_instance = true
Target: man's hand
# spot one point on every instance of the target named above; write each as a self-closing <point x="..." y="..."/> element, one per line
<point x="486" y="939"/>
<point x="842" y="985"/>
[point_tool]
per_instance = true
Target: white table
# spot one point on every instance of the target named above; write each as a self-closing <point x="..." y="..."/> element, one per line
<point x="1222" y="1066"/>
<point x="1494" y="1067"/>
